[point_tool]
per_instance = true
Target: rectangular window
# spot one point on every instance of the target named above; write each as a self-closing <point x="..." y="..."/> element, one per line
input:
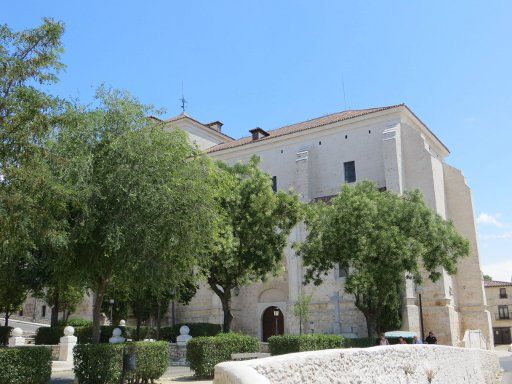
<point x="274" y="183"/>
<point x="503" y="293"/>
<point x="503" y="312"/>
<point x="342" y="272"/>
<point x="43" y="311"/>
<point x="350" y="171"/>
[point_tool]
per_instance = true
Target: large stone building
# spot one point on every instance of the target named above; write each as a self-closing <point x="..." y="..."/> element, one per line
<point x="388" y="145"/>
<point x="499" y="301"/>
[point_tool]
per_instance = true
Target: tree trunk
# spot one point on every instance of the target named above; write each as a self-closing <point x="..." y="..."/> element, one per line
<point x="225" y="298"/>
<point x="96" y="314"/>
<point x="226" y="308"/>
<point x="158" y="321"/>
<point x="6" y="324"/>
<point x="139" y="321"/>
<point x="54" y="320"/>
<point x="371" y="325"/>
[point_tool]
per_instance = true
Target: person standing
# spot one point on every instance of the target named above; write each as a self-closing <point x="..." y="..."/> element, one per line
<point x="416" y="340"/>
<point x="383" y="340"/>
<point x="431" y="339"/>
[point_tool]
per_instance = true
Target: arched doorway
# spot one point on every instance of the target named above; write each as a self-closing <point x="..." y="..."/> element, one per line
<point x="272" y="322"/>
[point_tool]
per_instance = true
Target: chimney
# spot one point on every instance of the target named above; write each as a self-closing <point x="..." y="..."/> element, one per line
<point x="216" y="125"/>
<point x="258" y="133"/>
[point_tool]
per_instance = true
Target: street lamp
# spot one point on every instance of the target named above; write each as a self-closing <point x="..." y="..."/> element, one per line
<point x="111" y="301"/>
<point x="236" y="291"/>
<point x="276" y="316"/>
<point x="419" y="290"/>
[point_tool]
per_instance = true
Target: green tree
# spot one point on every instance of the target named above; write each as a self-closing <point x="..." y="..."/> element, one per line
<point x="143" y="199"/>
<point x="487" y="278"/>
<point x="301" y="309"/>
<point x="380" y="238"/>
<point x="251" y="229"/>
<point x="27" y="58"/>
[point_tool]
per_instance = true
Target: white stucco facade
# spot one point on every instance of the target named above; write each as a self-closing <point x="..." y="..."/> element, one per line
<point x="389" y="146"/>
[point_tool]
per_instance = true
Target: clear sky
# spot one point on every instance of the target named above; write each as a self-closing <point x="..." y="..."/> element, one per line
<point x="270" y="63"/>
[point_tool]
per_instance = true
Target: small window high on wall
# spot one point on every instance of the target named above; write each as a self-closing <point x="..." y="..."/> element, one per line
<point x="349" y="168"/>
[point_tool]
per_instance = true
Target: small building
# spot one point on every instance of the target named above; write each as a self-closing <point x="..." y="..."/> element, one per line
<point x="499" y="303"/>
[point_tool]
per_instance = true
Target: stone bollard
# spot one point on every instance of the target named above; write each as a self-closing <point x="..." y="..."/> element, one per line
<point x="66" y="344"/>
<point x="184" y="336"/>
<point x="116" y="337"/>
<point x="16" y="338"/>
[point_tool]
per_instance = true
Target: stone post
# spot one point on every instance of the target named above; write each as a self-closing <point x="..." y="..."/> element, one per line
<point x="116" y="337"/>
<point x="184" y="336"/>
<point x="66" y="344"/>
<point x="16" y="338"/>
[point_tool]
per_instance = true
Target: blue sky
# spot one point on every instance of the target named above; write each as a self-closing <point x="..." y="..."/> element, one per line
<point x="269" y="63"/>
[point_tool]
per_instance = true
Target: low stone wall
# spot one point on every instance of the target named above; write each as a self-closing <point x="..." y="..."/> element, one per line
<point x="408" y="364"/>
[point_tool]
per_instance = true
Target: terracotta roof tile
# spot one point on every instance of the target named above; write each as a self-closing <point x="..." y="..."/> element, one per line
<point x="494" y="283"/>
<point x="293" y="128"/>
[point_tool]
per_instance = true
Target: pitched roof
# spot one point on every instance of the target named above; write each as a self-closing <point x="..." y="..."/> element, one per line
<point x="302" y="126"/>
<point x="207" y="126"/>
<point x="494" y="283"/>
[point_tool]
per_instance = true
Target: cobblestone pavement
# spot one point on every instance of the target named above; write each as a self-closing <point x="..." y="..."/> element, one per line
<point x="171" y="376"/>
<point x="506" y="364"/>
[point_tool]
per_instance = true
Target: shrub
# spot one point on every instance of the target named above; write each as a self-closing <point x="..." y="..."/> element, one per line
<point x="25" y="365"/>
<point x="196" y="330"/>
<point x="49" y="335"/>
<point x="204" y="353"/>
<point x="76" y="322"/>
<point x="98" y="363"/>
<point x="5" y="332"/>
<point x="360" y="342"/>
<point x="152" y="360"/>
<point x="103" y="363"/>
<point x="131" y="333"/>
<point x="52" y="335"/>
<point x="280" y="345"/>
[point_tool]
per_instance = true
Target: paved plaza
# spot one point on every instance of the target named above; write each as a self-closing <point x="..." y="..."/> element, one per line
<point x="172" y="375"/>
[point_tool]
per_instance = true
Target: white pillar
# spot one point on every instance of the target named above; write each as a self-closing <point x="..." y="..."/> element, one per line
<point x="16" y="338"/>
<point x="66" y="344"/>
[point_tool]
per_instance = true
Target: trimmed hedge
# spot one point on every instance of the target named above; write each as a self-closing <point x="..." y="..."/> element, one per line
<point x="25" y="365"/>
<point x="52" y="335"/>
<point x="279" y="345"/>
<point x="204" y="353"/>
<point x="98" y="363"/>
<point x="103" y="363"/>
<point x="76" y="322"/>
<point x="152" y="360"/>
<point x="196" y="330"/>
<point x="360" y="342"/>
<point x="5" y="332"/>
<point x="131" y="333"/>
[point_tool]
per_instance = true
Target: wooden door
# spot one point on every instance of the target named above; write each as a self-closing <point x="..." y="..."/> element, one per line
<point x="271" y="324"/>
<point x="502" y="336"/>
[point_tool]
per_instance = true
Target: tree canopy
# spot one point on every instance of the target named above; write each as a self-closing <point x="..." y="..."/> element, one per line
<point x="30" y="206"/>
<point x="250" y="230"/>
<point x="380" y="238"/>
<point x="142" y="204"/>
